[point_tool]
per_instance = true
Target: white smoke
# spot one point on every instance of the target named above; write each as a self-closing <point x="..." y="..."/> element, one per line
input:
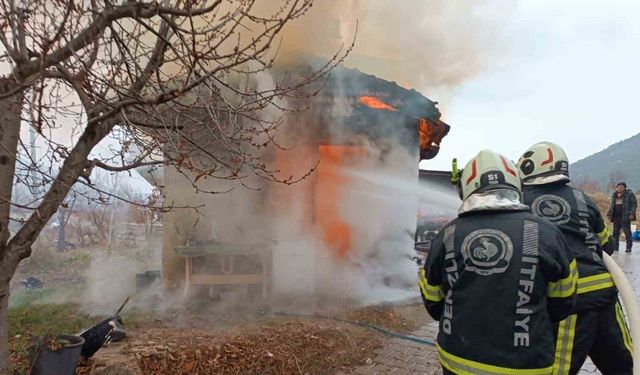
<point x="432" y="46"/>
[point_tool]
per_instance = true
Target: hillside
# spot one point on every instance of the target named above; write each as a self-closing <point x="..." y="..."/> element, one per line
<point x="617" y="162"/>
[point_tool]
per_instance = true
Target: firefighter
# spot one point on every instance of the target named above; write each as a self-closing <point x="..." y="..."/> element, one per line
<point x="597" y="326"/>
<point x="497" y="277"/>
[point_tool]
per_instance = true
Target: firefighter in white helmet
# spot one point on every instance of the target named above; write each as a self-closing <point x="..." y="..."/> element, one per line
<point x="497" y="277"/>
<point x="597" y="327"/>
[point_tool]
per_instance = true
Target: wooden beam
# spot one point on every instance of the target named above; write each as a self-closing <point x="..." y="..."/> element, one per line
<point x="257" y="278"/>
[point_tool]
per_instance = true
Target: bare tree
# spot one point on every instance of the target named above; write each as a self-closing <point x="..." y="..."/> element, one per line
<point x="615" y="177"/>
<point x="176" y="80"/>
<point x="587" y="185"/>
<point x="98" y="218"/>
<point x="63" y="220"/>
<point x="142" y="214"/>
<point x="83" y="230"/>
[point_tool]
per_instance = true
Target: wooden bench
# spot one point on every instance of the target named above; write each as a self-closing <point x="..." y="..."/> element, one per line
<point x="227" y="254"/>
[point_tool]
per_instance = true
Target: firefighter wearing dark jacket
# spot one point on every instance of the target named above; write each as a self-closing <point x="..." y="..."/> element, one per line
<point x="597" y="326"/>
<point x="497" y="277"/>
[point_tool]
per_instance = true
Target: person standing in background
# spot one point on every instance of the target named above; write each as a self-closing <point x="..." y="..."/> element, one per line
<point x="621" y="213"/>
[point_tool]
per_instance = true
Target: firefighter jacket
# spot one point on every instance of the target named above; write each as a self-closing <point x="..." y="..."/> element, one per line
<point x="496" y="281"/>
<point x="580" y="221"/>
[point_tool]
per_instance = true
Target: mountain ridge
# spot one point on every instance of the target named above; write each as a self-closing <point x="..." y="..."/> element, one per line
<point x="605" y="168"/>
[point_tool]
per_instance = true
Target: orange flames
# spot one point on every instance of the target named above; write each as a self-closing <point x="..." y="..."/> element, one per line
<point x="329" y="193"/>
<point x="373" y="102"/>
<point x="431" y="132"/>
<point x="424" y="130"/>
<point x="320" y="199"/>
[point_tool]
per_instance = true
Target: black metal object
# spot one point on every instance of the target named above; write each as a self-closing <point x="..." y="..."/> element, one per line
<point x="62" y="361"/>
<point x="425" y="236"/>
<point x="147" y="279"/>
<point x="108" y="330"/>
<point x="32" y="283"/>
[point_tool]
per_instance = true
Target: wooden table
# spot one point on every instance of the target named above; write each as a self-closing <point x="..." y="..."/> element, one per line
<point x="227" y="254"/>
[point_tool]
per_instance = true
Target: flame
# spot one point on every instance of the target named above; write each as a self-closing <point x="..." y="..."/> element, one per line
<point x="329" y="192"/>
<point x="373" y="102"/>
<point x="424" y="129"/>
<point x="431" y="132"/>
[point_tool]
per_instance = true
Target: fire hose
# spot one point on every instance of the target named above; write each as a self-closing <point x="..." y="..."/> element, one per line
<point x="624" y="287"/>
<point x="620" y="280"/>
<point x="384" y="331"/>
<point x="631" y="306"/>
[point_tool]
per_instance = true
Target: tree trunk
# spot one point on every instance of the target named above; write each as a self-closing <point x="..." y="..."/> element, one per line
<point x="4" y="324"/>
<point x="17" y="247"/>
<point x="8" y="266"/>
<point x="10" y="112"/>
<point x="62" y="238"/>
<point x="73" y="166"/>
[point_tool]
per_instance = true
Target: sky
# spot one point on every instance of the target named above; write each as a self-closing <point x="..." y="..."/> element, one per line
<point x="567" y="72"/>
<point x="563" y="71"/>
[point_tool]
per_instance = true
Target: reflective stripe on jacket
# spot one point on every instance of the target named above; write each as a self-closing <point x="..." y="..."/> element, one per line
<point x="580" y="221"/>
<point x="496" y="281"/>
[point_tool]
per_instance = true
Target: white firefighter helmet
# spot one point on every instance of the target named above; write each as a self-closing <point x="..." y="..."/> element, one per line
<point x="541" y="160"/>
<point x="487" y="171"/>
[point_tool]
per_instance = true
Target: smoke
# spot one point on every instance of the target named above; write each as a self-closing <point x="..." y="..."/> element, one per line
<point x="383" y="217"/>
<point x="434" y="47"/>
<point x="111" y="275"/>
<point x="109" y="280"/>
<point x="431" y="46"/>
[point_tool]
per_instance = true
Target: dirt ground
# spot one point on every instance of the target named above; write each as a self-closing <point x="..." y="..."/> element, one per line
<point x="284" y="348"/>
<point x="247" y="343"/>
<point x="203" y="335"/>
<point x="268" y="345"/>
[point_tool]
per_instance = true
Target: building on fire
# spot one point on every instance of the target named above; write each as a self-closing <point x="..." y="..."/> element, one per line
<point x="359" y="133"/>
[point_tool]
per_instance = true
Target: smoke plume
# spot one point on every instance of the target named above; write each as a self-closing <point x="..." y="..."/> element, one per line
<point x="431" y="46"/>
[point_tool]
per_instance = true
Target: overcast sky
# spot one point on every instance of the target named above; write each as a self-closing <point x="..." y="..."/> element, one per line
<point x="569" y="72"/>
<point x="566" y="71"/>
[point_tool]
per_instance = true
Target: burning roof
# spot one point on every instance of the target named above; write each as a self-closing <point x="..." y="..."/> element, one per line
<point x="349" y="107"/>
<point x="353" y="83"/>
<point x="357" y="132"/>
<point x="361" y="104"/>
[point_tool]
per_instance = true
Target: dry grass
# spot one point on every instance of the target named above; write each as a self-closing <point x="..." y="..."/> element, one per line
<point x="287" y="347"/>
<point x="32" y="320"/>
<point x="244" y="342"/>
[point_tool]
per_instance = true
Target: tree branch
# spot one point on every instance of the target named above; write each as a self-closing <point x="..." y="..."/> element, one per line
<point x="124" y="168"/>
<point x="130" y="9"/>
